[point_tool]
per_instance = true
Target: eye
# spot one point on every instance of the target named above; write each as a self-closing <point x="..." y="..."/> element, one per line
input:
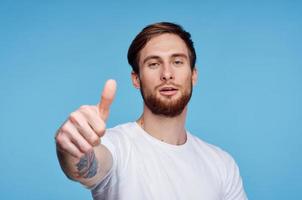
<point x="178" y="62"/>
<point x="153" y="65"/>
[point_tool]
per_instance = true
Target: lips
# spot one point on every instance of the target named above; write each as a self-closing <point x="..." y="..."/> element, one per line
<point x="168" y="91"/>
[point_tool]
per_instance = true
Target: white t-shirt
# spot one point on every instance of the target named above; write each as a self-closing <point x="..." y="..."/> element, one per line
<point x="145" y="168"/>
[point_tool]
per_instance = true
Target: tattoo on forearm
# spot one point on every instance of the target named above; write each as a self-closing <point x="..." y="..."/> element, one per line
<point x="87" y="166"/>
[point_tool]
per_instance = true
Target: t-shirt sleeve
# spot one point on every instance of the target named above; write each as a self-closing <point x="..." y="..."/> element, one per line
<point x="233" y="186"/>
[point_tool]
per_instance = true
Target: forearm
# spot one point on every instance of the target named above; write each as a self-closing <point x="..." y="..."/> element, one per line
<point x="89" y="168"/>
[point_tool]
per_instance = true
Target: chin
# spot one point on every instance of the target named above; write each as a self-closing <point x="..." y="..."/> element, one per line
<point x="168" y="99"/>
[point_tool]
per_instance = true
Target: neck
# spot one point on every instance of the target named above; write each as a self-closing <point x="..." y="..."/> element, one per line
<point x="167" y="129"/>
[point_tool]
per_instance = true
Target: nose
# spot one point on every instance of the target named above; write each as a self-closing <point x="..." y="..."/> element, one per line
<point x="167" y="73"/>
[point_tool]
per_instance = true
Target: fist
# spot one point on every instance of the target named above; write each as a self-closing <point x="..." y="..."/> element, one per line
<point x="84" y="127"/>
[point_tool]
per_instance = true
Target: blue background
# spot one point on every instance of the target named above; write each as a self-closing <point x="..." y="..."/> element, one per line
<point x="56" y="56"/>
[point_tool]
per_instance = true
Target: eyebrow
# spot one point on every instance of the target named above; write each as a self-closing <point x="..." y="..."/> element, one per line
<point x="157" y="57"/>
<point x="149" y="58"/>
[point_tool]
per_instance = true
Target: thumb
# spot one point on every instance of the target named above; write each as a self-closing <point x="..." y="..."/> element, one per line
<point x="107" y="99"/>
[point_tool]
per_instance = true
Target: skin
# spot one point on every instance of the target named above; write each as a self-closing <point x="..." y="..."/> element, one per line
<point x="164" y="61"/>
<point x="81" y="156"/>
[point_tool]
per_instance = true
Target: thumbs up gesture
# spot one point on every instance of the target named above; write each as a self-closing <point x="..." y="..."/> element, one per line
<point x="85" y="126"/>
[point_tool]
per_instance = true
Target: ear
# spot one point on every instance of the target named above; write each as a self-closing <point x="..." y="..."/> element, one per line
<point x="194" y="75"/>
<point x="135" y="80"/>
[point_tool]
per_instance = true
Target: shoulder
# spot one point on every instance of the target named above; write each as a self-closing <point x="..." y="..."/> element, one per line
<point x="120" y="128"/>
<point x="118" y="137"/>
<point x="212" y="153"/>
<point x="119" y="132"/>
<point x="118" y="141"/>
<point x="223" y="163"/>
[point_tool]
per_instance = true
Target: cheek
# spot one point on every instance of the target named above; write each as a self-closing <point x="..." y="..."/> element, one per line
<point x="184" y="75"/>
<point x="186" y="80"/>
<point x="146" y="83"/>
<point x="150" y="77"/>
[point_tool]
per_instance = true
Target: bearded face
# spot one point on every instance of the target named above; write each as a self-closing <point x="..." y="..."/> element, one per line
<point x="165" y="77"/>
<point x="168" y="106"/>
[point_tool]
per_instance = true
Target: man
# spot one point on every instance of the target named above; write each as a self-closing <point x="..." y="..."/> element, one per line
<point x="153" y="157"/>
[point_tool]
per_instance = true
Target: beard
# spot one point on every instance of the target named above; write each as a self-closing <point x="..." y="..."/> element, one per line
<point x="167" y="107"/>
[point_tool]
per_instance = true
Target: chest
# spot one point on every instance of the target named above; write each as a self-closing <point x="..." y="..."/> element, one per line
<point x="159" y="174"/>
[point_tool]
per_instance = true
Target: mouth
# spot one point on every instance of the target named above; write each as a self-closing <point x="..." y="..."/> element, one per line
<point x="168" y="91"/>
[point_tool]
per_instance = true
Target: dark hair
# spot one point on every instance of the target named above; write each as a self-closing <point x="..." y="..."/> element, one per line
<point x="154" y="30"/>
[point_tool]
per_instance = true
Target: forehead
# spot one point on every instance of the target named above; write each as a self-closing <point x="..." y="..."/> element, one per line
<point x="164" y="45"/>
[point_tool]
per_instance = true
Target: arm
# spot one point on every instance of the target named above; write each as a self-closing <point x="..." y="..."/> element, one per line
<point x="81" y="156"/>
<point x="88" y="169"/>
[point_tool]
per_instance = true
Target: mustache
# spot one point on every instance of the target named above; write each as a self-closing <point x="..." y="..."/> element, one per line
<point x="171" y="84"/>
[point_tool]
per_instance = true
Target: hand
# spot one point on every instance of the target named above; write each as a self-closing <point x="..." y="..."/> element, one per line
<point x="85" y="126"/>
